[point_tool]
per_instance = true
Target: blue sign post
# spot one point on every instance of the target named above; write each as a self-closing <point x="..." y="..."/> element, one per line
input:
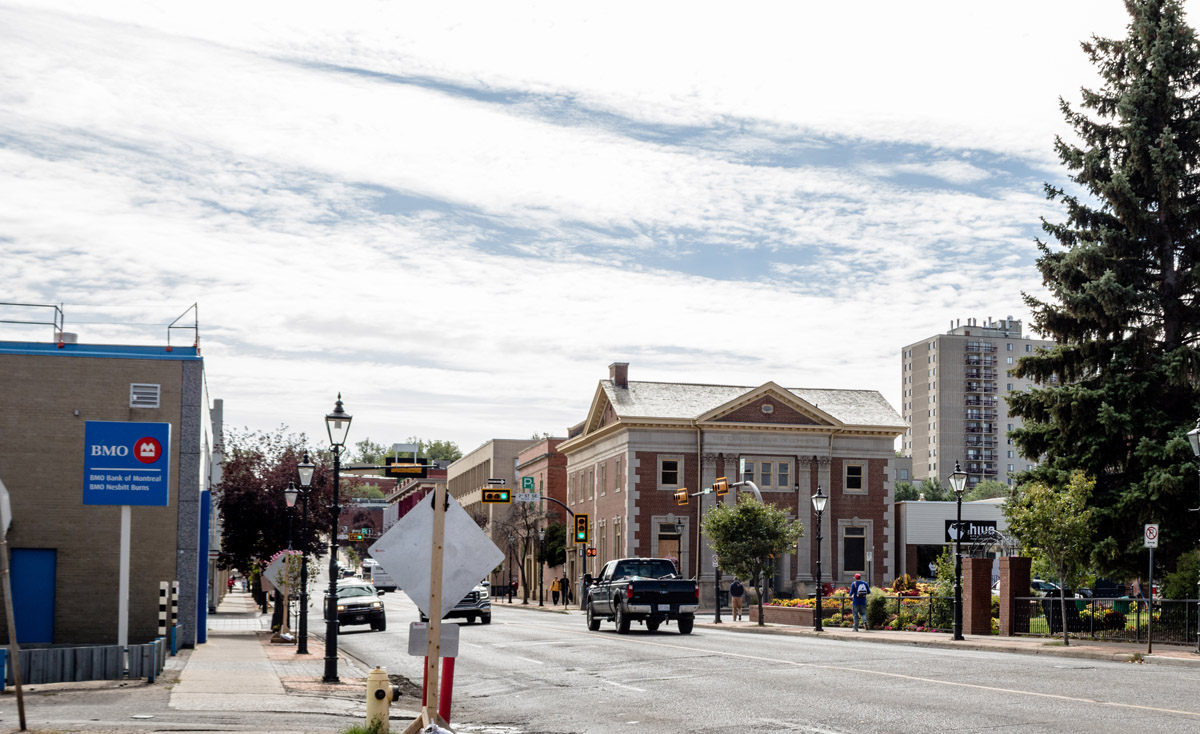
<point x="127" y="463"/>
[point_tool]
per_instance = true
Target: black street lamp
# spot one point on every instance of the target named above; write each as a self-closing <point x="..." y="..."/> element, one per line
<point x="305" y="471"/>
<point x="541" y="591"/>
<point x="1194" y="439"/>
<point x="337" y="424"/>
<point x="818" y="501"/>
<point x="289" y="496"/>
<point x="958" y="482"/>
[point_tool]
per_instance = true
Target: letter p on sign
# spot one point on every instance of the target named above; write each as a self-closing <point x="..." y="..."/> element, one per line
<point x="1152" y="536"/>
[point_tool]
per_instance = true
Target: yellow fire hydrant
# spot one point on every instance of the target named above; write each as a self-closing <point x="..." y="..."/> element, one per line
<point x="380" y="694"/>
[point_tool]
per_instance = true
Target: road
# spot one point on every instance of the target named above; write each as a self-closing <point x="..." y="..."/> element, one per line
<point x="539" y="672"/>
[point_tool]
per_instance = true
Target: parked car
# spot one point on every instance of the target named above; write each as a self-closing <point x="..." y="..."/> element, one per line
<point x="1041" y="588"/>
<point x="477" y="604"/>
<point x="358" y="602"/>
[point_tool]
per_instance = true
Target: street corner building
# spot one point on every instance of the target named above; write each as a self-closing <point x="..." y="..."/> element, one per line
<point x="90" y="431"/>
<point x="643" y="441"/>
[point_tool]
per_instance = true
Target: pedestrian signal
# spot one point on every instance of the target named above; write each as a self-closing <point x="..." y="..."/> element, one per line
<point x="591" y="552"/>
<point x="496" y="496"/>
<point x="681" y="496"/>
<point x="581" y="528"/>
<point x="721" y="486"/>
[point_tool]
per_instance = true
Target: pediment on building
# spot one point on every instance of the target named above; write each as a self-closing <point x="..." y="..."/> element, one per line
<point x="769" y="404"/>
<point x="601" y="413"/>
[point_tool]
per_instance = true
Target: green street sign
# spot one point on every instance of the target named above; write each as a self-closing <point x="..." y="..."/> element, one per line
<point x="527" y="484"/>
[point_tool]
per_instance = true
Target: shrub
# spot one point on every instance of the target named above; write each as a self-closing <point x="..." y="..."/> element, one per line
<point x="876" y="609"/>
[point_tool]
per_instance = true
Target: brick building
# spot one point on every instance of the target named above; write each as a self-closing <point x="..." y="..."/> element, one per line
<point x="641" y="441"/>
<point x="65" y="553"/>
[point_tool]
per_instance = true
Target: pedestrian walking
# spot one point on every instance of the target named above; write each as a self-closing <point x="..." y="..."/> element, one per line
<point x="512" y="588"/>
<point x="229" y="584"/>
<point x="554" y="590"/>
<point x="564" y="587"/>
<point x="858" y="605"/>
<point x="736" y="592"/>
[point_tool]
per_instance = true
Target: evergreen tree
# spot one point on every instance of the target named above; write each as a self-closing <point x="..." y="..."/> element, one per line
<point x="1118" y="392"/>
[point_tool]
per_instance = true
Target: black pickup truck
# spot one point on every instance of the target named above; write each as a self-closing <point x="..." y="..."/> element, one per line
<point x="648" y="590"/>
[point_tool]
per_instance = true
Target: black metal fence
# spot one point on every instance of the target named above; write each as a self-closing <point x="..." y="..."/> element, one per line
<point x="1115" y="620"/>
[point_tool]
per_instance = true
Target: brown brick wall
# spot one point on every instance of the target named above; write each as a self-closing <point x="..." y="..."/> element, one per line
<point x="781" y="414"/>
<point x="977" y="596"/>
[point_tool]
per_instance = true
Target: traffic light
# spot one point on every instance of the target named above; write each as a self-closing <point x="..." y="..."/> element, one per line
<point x="721" y="486"/>
<point x="591" y="552"/>
<point x="681" y="496"/>
<point x="496" y="496"/>
<point x="581" y="528"/>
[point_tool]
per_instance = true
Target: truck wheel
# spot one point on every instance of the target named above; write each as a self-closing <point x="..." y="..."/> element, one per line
<point x="652" y="624"/>
<point x="592" y="620"/>
<point x="622" y="620"/>
<point x="486" y="618"/>
<point x="379" y="626"/>
<point x="471" y="619"/>
<point x="685" y="624"/>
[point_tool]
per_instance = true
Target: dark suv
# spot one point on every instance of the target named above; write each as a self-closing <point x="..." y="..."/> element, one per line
<point x="477" y="604"/>
<point x="358" y="603"/>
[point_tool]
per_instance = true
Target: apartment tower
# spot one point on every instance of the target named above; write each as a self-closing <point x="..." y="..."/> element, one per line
<point x="953" y="389"/>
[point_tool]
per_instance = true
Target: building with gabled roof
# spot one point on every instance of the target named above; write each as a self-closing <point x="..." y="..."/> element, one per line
<point x="643" y="441"/>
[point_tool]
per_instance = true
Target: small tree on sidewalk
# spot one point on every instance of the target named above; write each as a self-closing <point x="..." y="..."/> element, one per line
<point x="746" y="536"/>
<point x="1058" y="523"/>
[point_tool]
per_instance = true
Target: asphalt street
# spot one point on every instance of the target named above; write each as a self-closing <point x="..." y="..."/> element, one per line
<point x="538" y="671"/>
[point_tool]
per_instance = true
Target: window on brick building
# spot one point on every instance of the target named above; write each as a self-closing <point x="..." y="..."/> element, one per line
<point x="855" y="478"/>
<point x="670" y="472"/>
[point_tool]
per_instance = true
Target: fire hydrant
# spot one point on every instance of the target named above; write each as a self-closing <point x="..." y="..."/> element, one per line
<point x="380" y="694"/>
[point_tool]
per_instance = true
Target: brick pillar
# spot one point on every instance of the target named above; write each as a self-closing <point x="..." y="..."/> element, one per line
<point x="1014" y="582"/>
<point x="977" y="596"/>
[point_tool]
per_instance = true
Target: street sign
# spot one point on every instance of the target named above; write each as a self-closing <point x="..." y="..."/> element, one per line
<point x="527" y="484"/>
<point x="496" y="482"/>
<point x="1151" y="536"/>
<point x="126" y="463"/>
<point x="527" y="497"/>
<point x="405" y="552"/>
<point x="418" y="640"/>
<point x="418" y="469"/>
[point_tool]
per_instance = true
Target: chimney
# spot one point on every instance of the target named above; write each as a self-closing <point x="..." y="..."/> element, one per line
<point x="618" y="372"/>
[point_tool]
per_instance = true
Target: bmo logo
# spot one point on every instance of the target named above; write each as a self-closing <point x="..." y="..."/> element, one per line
<point x="147" y="450"/>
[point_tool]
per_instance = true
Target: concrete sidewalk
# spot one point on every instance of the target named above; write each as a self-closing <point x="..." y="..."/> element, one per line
<point x="240" y="669"/>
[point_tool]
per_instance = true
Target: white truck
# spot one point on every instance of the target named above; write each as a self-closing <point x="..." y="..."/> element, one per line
<point x="378" y="576"/>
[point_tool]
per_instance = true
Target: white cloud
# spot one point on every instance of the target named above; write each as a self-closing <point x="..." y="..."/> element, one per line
<point x="459" y="221"/>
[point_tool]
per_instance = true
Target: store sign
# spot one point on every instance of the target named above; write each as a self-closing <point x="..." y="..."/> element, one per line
<point x="972" y="530"/>
<point x="127" y="463"/>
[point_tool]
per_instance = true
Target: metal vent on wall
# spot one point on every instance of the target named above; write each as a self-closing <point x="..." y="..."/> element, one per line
<point x="143" y="396"/>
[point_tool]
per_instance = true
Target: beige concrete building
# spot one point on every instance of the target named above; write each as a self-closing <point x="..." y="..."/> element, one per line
<point x="953" y="388"/>
<point x="64" y="550"/>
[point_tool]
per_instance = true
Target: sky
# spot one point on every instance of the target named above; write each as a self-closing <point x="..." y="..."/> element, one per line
<point x="459" y="216"/>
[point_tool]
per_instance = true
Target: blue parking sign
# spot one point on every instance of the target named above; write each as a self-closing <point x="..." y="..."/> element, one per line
<point x="127" y="463"/>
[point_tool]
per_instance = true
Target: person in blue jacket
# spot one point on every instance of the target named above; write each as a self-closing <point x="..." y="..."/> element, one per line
<point x="858" y="600"/>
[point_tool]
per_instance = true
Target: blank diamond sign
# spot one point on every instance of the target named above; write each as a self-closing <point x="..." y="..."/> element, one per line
<point x="406" y="552"/>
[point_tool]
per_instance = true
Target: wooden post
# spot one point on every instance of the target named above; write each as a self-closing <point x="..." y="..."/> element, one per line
<point x="429" y="705"/>
<point x="14" y="650"/>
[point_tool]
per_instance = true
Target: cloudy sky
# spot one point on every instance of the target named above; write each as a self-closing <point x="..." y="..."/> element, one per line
<point x="460" y="217"/>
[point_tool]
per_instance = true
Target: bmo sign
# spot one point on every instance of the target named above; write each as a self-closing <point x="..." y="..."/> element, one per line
<point x="126" y="463"/>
